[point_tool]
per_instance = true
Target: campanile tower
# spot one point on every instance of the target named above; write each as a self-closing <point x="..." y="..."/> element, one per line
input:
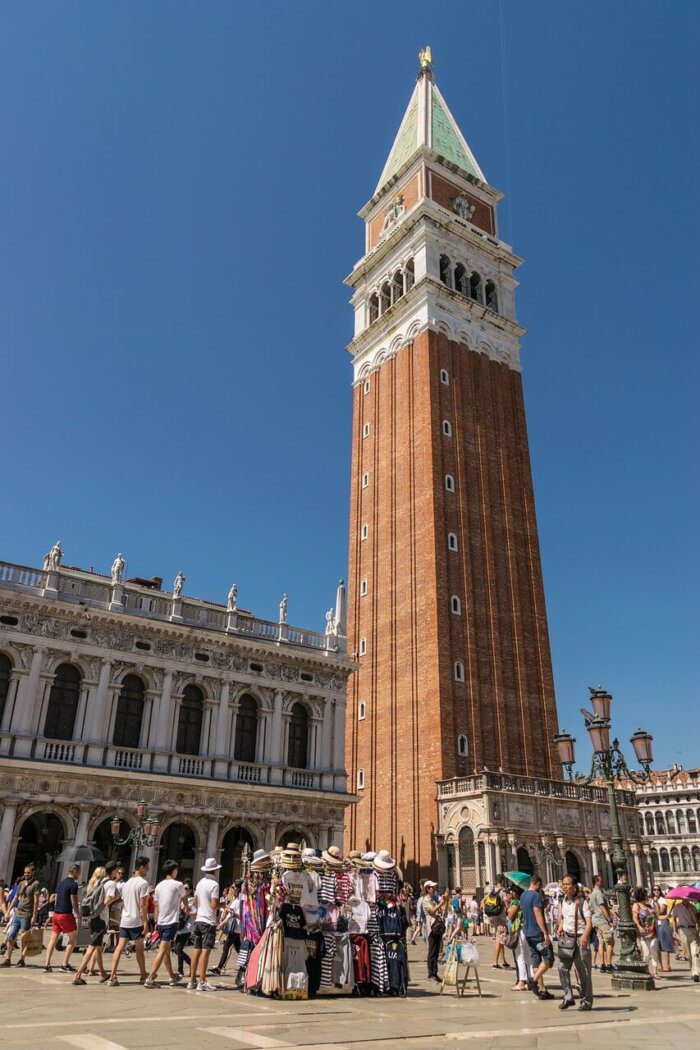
<point x="446" y="604"/>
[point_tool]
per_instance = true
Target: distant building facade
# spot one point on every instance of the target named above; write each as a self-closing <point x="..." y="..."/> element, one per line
<point x="669" y="813"/>
<point x="231" y="728"/>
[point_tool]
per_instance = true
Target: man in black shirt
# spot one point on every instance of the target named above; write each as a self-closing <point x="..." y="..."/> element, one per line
<point x="64" y="918"/>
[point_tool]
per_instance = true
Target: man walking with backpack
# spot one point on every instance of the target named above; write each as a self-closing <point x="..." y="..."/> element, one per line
<point x="495" y="912"/>
<point x="168" y="896"/>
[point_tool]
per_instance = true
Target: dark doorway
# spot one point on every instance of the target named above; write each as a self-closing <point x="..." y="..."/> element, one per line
<point x="573" y="867"/>
<point x="231" y="854"/>
<point x="103" y="841"/>
<point x="40" y="843"/>
<point x="525" y="861"/>
<point x="178" y="843"/>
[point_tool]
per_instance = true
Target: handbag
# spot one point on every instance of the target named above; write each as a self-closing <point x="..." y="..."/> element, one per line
<point x="568" y="941"/>
<point x="438" y="928"/>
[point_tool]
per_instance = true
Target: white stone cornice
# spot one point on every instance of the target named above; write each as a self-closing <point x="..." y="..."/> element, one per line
<point x="431" y="306"/>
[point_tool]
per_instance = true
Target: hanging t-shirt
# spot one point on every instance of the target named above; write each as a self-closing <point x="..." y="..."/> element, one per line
<point x="364" y="886"/>
<point x="293" y="882"/>
<point x="359" y="916"/>
<point x="293" y="921"/>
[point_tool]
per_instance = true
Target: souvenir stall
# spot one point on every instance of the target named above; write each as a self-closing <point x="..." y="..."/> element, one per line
<point x="315" y="923"/>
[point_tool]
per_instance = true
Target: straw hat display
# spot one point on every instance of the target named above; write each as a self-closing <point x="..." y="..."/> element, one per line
<point x="291" y="857"/>
<point x="383" y="861"/>
<point x="261" y="860"/>
<point x="310" y="859"/>
<point x="333" y="858"/>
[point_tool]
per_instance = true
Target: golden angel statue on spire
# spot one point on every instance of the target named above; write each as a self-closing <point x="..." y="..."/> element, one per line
<point x="426" y="58"/>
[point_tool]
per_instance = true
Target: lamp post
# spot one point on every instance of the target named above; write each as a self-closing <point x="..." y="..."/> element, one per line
<point x="143" y="835"/>
<point x="608" y="764"/>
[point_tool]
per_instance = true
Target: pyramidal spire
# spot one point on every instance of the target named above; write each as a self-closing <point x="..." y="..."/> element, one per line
<point x="428" y="123"/>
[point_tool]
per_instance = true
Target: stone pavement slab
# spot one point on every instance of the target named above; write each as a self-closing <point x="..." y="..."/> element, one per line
<point x="45" y="1012"/>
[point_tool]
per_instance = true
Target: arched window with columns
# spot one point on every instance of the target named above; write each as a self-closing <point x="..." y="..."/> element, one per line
<point x="189" y="726"/>
<point x="298" y="742"/>
<point x="59" y="723"/>
<point x="245" y="744"/>
<point x="692" y="823"/>
<point x="655" y="860"/>
<point x="129" y="717"/>
<point x="660" y="826"/>
<point x="696" y="858"/>
<point x="5" y="679"/>
<point x="665" y="860"/>
<point x="446" y="270"/>
<point x="685" y="858"/>
<point x="671" y="823"/>
<point x="650" y="824"/>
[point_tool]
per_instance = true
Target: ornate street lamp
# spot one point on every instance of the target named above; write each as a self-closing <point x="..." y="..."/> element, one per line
<point x="145" y="832"/>
<point x="608" y="764"/>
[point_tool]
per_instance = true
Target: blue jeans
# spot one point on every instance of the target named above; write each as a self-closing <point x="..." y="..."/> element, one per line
<point x="18" y="923"/>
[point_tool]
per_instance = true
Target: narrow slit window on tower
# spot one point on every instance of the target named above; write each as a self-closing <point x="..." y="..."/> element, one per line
<point x="456" y="605"/>
<point x="365" y="430"/>
<point x="452" y="541"/>
<point x="475" y="288"/>
<point x="449" y="483"/>
<point x="447" y="428"/>
<point x="365" y="481"/>
<point x="446" y="270"/>
<point x="360" y="779"/>
<point x="363" y="646"/>
<point x="462" y="746"/>
<point x="373" y="307"/>
<point x="365" y="531"/>
<point x="363" y="587"/>
<point x="444" y="376"/>
<point x="459" y="671"/>
<point x="366" y="386"/>
<point x="361" y="711"/>
<point x="491" y="296"/>
<point x="410" y="275"/>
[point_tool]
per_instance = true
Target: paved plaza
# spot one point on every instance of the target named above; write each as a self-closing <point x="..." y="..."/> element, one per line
<point x="43" y="1012"/>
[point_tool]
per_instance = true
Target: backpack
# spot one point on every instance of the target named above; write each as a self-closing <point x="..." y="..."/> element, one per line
<point x="92" y="902"/>
<point x="493" y="905"/>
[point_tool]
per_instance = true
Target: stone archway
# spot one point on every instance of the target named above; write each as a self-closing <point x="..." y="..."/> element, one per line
<point x="573" y="866"/>
<point x="232" y="846"/>
<point x="178" y="842"/>
<point x="41" y="838"/>
<point x="525" y="861"/>
<point x="103" y="841"/>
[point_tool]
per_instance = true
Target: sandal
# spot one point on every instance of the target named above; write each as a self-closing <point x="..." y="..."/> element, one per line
<point x="78" y="980"/>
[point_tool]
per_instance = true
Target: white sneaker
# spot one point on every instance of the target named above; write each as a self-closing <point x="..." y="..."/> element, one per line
<point x="191" y="986"/>
<point x="149" y="983"/>
<point x="204" y="986"/>
<point x="175" y="979"/>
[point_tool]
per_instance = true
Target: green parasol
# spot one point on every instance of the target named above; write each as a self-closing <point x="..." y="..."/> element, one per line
<point x="520" y="878"/>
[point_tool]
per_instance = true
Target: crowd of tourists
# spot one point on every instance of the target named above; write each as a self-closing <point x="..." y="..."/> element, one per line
<point x="579" y="924"/>
<point x="180" y="924"/>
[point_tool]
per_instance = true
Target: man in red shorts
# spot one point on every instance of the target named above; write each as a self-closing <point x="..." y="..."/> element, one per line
<point x="64" y="916"/>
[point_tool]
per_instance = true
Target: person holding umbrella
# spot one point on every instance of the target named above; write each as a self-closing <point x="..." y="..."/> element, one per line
<point x="686" y="921"/>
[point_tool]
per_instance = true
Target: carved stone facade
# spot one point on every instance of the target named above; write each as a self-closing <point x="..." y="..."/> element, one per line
<point x="493" y="822"/>
<point x="222" y="722"/>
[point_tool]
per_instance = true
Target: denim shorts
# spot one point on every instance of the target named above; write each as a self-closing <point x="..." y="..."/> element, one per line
<point x="538" y="956"/>
<point x="17" y="924"/>
<point x="130" y="933"/>
<point x="167" y="932"/>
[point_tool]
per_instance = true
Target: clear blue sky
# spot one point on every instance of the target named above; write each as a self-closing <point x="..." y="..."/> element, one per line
<point x="178" y="198"/>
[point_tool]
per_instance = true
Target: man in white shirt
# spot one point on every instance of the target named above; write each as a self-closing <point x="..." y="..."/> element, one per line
<point x="206" y="899"/>
<point x="134" y="918"/>
<point x="168" y="896"/>
<point x="575" y="925"/>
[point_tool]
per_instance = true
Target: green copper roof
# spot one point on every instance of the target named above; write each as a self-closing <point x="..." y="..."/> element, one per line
<point x="428" y="122"/>
<point x="405" y="144"/>
<point x="446" y="139"/>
